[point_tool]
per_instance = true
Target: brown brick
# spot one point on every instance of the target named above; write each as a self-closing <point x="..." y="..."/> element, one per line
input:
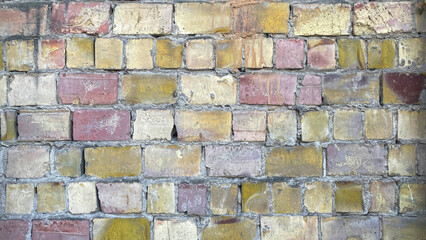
<point x="348" y="197"/>
<point x="348" y="125"/>
<point x="352" y="53"/>
<point x="402" y="160"/>
<point x="161" y="198"/>
<point x="286" y="198"/>
<point x="381" y="54"/>
<point x="224" y="199"/>
<point x="404" y="227"/>
<point x="404" y="88"/>
<point x="282" y="126"/>
<point x="8" y="125"/>
<point x="229" y="53"/>
<point x="44" y="126"/>
<point x="249" y="126"/>
<point x="68" y="161"/>
<point x="255" y="197"/>
<point x="382" y="196"/>
<point x="378" y="124"/>
<point x="350" y="228"/>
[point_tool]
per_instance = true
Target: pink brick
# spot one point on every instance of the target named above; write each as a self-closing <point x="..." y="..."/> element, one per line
<point x="16" y="21"/>
<point x="120" y="197"/>
<point x="14" y="229"/>
<point x="268" y="88"/>
<point x="192" y="199"/>
<point x="101" y="125"/>
<point x="321" y="53"/>
<point x="61" y="229"/>
<point x="310" y="93"/>
<point x="249" y="125"/>
<point x="44" y="126"/>
<point x="51" y="54"/>
<point x="290" y="53"/>
<point x="310" y="80"/>
<point x="79" y="17"/>
<point x="88" y="88"/>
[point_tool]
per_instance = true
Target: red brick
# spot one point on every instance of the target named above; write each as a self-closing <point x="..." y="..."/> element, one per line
<point x="51" y="54"/>
<point x="79" y="17"/>
<point x="290" y="53"/>
<point x="192" y="199"/>
<point x="321" y="53"/>
<point x="44" y="126"/>
<point x="88" y="88"/>
<point x="14" y="229"/>
<point x="404" y="88"/>
<point x="101" y="125"/>
<point x="269" y="88"/>
<point x="61" y="229"/>
<point x="23" y="20"/>
<point x="120" y="197"/>
<point x="310" y="93"/>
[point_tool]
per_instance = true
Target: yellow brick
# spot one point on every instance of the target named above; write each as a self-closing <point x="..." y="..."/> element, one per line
<point x="20" y="55"/>
<point x="348" y="197"/>
<point x="68" y="161"/>
<point x="351" y="53"/>
<point x="411" y="125"/>
<point x="412" y="198"/>
<point x="8" y="125"/>
<point x="258" y="52"/>
<point x="255" y="197"/>
<point x="315" y="126"/>
<point x="229" y="228"/>
<point x="19" y="198"/>
<point x="381" y="54"/>
<point x="108" y="53"/>
<point x="161" y="198"/>
<point x="50" y="197"/>
<point x="348" y="125"/>
<point x="318" y="197"/>
<point x="199" y="54"/>
<point x="286" y="199"/>
<point x="412" y="51"/>
<point x="169" y="54"/>
<point x="223" y="199"/>
<point x="138" y="53"/>
<point x="378" y="124"/>
<point x="402" y="160"/>
<point x="121" y="228"/>
<point x="80" y="53"/>
<point x="229" y="53"/>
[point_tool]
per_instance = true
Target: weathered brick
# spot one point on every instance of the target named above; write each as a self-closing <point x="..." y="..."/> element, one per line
<point x="8" y="125"/>
<point x="60" y="229"/>
<point x="149" y="88"/>
<point x="351" y="88"/>
<point x="268" y="88"/>
<point x="348" y="197"/>
<point x="106" y="162"/>
<point x="51" y="54"/>
<point x="68" y="161"/>
<point x="3" y="86"/>
<point x="294" y="162"/>
<point x="80" y="53"/>
<point x="153" y="124"/>
<point x="322" y="19"/>
<point x="282" y="126"/>
<point x="403" y="228"/>
<point x="32" y="89"/>
<point x="378" y="124"/>
<point x="169" y="54"/>
<point x="290" y="53"/>
<point x="172" y="161"/>
<point x="381" y="54"/>
<point x="138" y="53"/>
<point x="140" y="18"/>
<point x="203" y="125"/>
<point x="120" y="197"/>
<point x="192" y="199"/>
<point x="249" y="125"/>
<point x="101" y="125"/>
<point x="20" y="55"/>
<point x="382" y="17"/>
<point x="412" y="52"/>
<point x="352" y="53"/>
<point x="356" y="159"/>
<point x="353" y="227"/>
<point x="161" y="198"/>
<point x="175" y="229"/>
<point x="121" y="228"/>
<point x="318" y="197"/>
<point x="209" y="89"/>
<point x="321" y="53"/>
<point x="23" y="20"/>
<point x="382" y="196"/>
<point x="44" y="126"/>
<point x="50" y="197"/>
<point x="404" y="88"/>
<point x="286" y="198"/>
<point x="412" y="198"/>
<point x="108" y="53"/>
<point x="233" y="161"/>
<point x="230" y="228"/>
<point x="411" y="125"/>
<point x="80" y="17"/>
<point x="255" y="197"/>
<point x="82" y="197"/>
<point x="348" y="125"/>
<point x="14" y="229"/>
<point x="229" y="53"/>
<point x="199" y="54"/>
<point x="27" y="161"/>
<point x="420" y="17"/>
<point x="88" y="88"/>
<point x="19" y="198"/>
<point x="289" y="227"/>
<point x="193" y="18"/>
<point x="315" y="126"/>
<point x="224" y="199"/>
<point x="310" y="93"/>
<point x="421" y="159"/>
<point x="258" y="52"/>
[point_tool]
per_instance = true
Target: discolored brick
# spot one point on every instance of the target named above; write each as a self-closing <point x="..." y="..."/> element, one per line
<point x="404" y="88"/>
<point x="321" y="53"/>
<point x="412" y="52"/>
<point x="382" y="196"/>
<point x="353" y="227"/>
<point x="19" y="198"/>
<point x="286" y="198"/>
<point x="402" y="160"/>
<point x="249" y="125"/>
<point x="348" y="125"/>
<point x="108" y="53"/>
<point x="80" y="53"/>
<point x="120" y="197"/>
<point x="27" y="161"/>
<point x="229" y="53"/>
<point x="420" y="17"/>
<point x="421" y="159"/>
<point x="192" y="199"/>
<point x="258" y="52"/>
<point x="68" y="161"/>
<point x="20" y="55"/>
<point x="153" y="124"/>
<point x="161" y="198"/>
<point x="403" y="228"/>
<point x="51" y="54"/>
<point x="412" y="198"/>
<point x="121" y="228"/>
<point x="351" y="53"/>
<point x="310" y="93"/>
<point x="318" y="197"/>
<point x="139" y="54"/>
<point x="290" y="53"/>
<point x="3" y="85"/>
<point x="14" y="229"/>
<point x="348" y="197"/>
<point x="282" y="126"/>
<point x="44" y="126"/>
<point x="82" y="197"/>
<point x="60" y="229"/>
<point x="169" y="53"/>
<point x="229" y="228"/>
<point x="50" y="197"/>
<point x="32" y="89"/>
<point x="199" y="54"/>
<point x="378" y="124"/>
<point x="411" y="125"/>
<point x="289" y="227"/>
<point x="8" y="125"/>
<point x="315" y="126"/>
<point x="255" y="197"/>
<point x="175" y="229"/>
<point x="27" y="21"/>
<point x="381" y="54"/>
<point x="224" y="199"/>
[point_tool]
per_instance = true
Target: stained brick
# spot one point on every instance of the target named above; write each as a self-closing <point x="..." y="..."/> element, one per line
<point x="68" y="161"/>
<point x="120" y="197"/>
<point x="121" y="228"/>
<point x="402" y="160"/>
<point x="153" y="124"/>
<point x="412" y="198"/>
<point x="60" y="229"/>
<point x="420" y="17"/>
<point x="348" y="125"/>
<point x="315" y="126"/>
<point x="27" y="161"/>
<point x="348" y="197"/>
<point x="249" y="125"/>
<point x="8" y="125"/>
<point x="80" y="53"/>
<point x="20" y="20"/>
<point x="108" y="53"/>
<point x="1" y="57"/>
<point x="282" y="126"/>
<point x="224" y="199"/>
<point x="318" y="197"/>
<point x="289" y="227"/>
<point x="403" y="227"/>
<point x="50" y="197"/>
<point x="290" y="53"/>
<point x="199" y="54"/>
<point x="44" y="126"/>
<point x="255" y="197"/>
<point x="175" y="229"/>
<point x="421" y="159"/>
<point x="192" y="199"/>
<point x="258" y="52"/>
<point x="310" y="93"/>
<point x="161" y="198"/>
<point x="354" y="227"/>
<point x="229" y="53"/>
<point x="381" y="54"/>
<point x="82" y="197"/>
<point x="138" y="53"/>
<point x="19" y="198"/>
<point x="51" y="54"/>
<point x="404" y="88"/>
<point x="412" y="52"/>
<point x="14" y="229"/>
<point x="378" y="124"/>
<point x="286" y="198"/>
<point x="411" y="125"/>
<point x="3" y="86"/>
<point x="169" y="54"/>
<point x="352" y="53"/>
<point x="20" y="55"/>
<point x="321" y="53"/>
<point x="230" y="228"/>
<point x="382" y="196"/>
<point x="32" y="89"/>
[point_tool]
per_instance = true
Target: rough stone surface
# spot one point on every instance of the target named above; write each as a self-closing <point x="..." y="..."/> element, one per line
<point x="224" y="199"/>
<point x="108" y="53"/>
<point x="249" y="126"/>
<point x="318" y="197"/>
<point x="161" y="198"/>
<point x="412" y="198"/>
<point x="230" y="228"/>
<point x="19" y="198"/>
<point x="321" y="53"/>
<point x="382" y="196"/>
<point x="153" y="124"/>
<point x="82" y="197"/>
<point x="139" y="54"/>
<point x="403" y="228"/>
<point x="120" y="197"/>
<point x="61" y="229"/>
<point x="80" y="53"/>
<point x="286" y="198"/>
<point x="121" y="228"/>
<point x="44" y="126"/>
<point x="290" y="53"/>
<point x="282" y="126"/>
<point x="335" y="228"/>
<point x="315" y="126"/>
<point x="165" y="229"/>
<point x="381" y="54"/>
<point x="404" y="88"/>
<point x="402" y="160"/>
<point x="378" y="124"/>
<point x="348" y="197"/>
<point x="50" y="197"/>
<point x="348" y="125"/>
<point x="32" y="89"/>
<point x="289" y="227"/>
<point x="51" y="54"/>
<point x="14" y="229"/>
<point x="192" y="199"/>
<point x="255" y="197"/>
<point x="411" y="125"/>
<point x="27" y="161"/>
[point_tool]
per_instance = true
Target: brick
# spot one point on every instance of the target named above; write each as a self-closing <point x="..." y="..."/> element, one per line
<point x="193" y="18"/>
<point x="382" y="196"/>
<point x="412" y="52"/>
<point x="348" y="125"/>
<point x="153" y="124"/>
<point x="14" y="229"/>
<point x="224" y="199"/>
<point x="3" y="87"/>
<point x="203" y="125"/>
<point x="249" y="125"/>
<point x="382" y="17"/>
<point x="351" y="88"/>
<point x="8" y="125"/>
<point x="51" y="54"/>
<point x="290" y="53"/>
<point x="169" y="54"/>
<point x="120" y="197"/>
<point x="289" y="227"/>
<point x="108" y="53"/>
<point x="294" y="161"/>
<point x="172" y="161"/>
<point x="286" y="198"/>
<point x="175" y="229"/>
<point x="50" y="197"/>
<point x="32" y="89"/>
<point x="318" y="197"/>
<point x="356" y="159"/>
<point x="23" y="20"/>
<point x="322" y="19"/>
<point x="315" y="126"/>
<point x="138" y="53"/>
<point x="139" y="18"/>
<point x="258" y="52"/>
<point x="161" y="198"/>
<point x="229" y="53"/>
<point x="121" y="228"/>
<point x="412" y="198"/>
<point x="381" y="54"/>
<point x="354" y="227"/>
<point x="348" y="197"/>
<point x="268" y="88"/>
<point x="255" y="197"/>
<point x="420" y="17"/>
<point x="209" y="89"/>
<point x="79" y="17"/>
<point x="68" y="161"/>
<point x="44" y="126"/>
<point x="149" y="88"/>
<point x="411" y="125"/>
<point x="80" y="53"/>
<point x="20" y="55"/>
<point x="404" y="88"/>
<point x="19" y="198"/>
<point x="378" y="124"/>
<point x="282" y="126"/>
<point x="403" y="227"/>
<point x="421" y="159"/>
<point x="310" y="93"/>
<point x="101" y="125"/>
<point x="88" y="88"/>
<point x="233" y="161"/>
<point x="60" y="229"/>
<point x="352" y="53"/>
<point x="27" y="161"/>
<point x="321" y="53"/>
<point x="82" y="197"/>
<point x="104" y="162"/>
<point x="230" y="228"/>
<point x="192" y="199"/>
<point x="199" y="54"/>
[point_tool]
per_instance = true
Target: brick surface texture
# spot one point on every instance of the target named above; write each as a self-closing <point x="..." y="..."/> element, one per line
<point x="212" y="119"/>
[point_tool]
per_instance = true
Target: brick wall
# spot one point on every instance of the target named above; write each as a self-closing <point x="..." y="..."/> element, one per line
<point x="212" y="120"/>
